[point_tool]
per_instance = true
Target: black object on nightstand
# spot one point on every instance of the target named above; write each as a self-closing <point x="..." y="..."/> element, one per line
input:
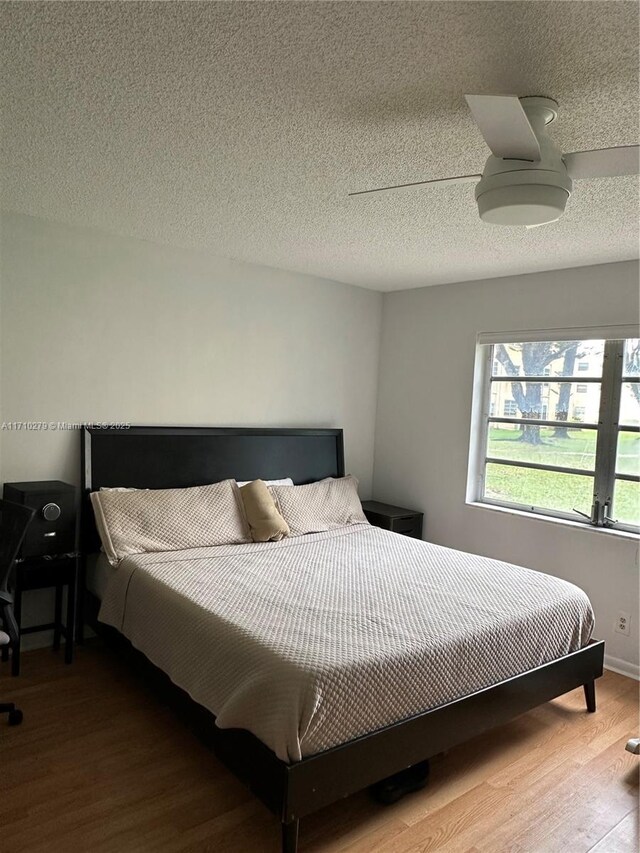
<point x="53" y="529"/>
<point x="395" y="518"/>
<point x="47" y="558"/>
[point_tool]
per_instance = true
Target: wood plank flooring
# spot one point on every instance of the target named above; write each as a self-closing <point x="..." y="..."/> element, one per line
<point x="100" y="766"/>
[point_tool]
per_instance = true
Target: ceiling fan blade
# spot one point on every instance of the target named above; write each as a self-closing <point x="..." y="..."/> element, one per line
<point x="505" y="126"/>
<point x="603" y="162"/>
<point x="461" y="179"/>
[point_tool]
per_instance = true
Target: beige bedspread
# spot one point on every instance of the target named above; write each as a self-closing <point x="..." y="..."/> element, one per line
<point x="310" y="642"/>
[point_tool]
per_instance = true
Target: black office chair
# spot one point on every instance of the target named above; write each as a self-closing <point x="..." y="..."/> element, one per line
<point x="14" y="520"/>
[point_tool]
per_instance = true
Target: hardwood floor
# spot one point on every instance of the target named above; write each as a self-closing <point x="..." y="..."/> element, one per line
<point x="100" y="766"/>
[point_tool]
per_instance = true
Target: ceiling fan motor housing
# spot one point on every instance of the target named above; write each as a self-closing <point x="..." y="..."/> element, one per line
<point x="524" y="192"/>
<point x="523" y="196"/>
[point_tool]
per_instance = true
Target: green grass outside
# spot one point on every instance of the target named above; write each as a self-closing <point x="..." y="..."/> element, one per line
<point x="551" y="490"/>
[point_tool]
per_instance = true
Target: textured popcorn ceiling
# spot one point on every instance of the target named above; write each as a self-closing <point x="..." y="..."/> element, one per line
<point x="239" y="128"/>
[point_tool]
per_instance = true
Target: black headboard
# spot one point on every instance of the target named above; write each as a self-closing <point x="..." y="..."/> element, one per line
<point x="159" y="457"/>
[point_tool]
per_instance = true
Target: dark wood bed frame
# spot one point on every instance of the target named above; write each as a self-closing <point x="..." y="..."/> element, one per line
<point x="164" y="457"/>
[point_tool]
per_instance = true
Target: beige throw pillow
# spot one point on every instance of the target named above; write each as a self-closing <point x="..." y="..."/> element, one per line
<point x="265" y="522"/>
<point x="320" y="506"/>
<point x="146" y="520"/>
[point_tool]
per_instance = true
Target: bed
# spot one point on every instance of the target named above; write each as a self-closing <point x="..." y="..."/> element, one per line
<point x="375" y="651"/>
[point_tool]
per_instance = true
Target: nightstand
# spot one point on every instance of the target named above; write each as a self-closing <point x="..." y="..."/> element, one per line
<point x="395" y="518"/>
<point x="40" y="573"/>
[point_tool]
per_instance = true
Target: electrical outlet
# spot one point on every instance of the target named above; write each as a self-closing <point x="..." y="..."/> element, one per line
<point x="623" y="621"/>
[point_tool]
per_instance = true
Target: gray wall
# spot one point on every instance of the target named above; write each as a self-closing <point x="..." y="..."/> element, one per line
<point x="424" y="412"/>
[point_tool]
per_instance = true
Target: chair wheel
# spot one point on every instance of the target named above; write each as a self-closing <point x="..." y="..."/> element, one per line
<point x="15" y="717"/>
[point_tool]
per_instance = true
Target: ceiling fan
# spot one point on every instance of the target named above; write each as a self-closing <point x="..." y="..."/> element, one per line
<point x="527" y="180"/>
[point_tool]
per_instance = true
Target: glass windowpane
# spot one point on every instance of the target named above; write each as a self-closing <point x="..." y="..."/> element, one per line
<point x="546" y="401"/>
<point x="542" y="489"/>
<point x="631" y="364"/>
<point x="626" y="502"/>
<point x="548" y="358"/>
<point x="628" y="453"/>
<point x="630" y="404"/>
<point x="563" y="447"/>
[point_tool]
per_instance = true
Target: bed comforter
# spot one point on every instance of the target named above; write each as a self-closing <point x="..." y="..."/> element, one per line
<point x="315" y="640"/>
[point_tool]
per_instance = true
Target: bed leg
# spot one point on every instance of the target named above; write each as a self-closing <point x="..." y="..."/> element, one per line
<point x="590" y="695"/>
<point x="290" y="837"/>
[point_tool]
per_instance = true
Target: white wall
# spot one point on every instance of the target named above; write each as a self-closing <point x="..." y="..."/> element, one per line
<point x="100" y="328"/>
<point x="97" y="327"/>
<point x="424" y="411"/>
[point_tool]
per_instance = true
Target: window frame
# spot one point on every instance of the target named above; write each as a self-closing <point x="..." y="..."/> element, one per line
<point x="607" y="428"/>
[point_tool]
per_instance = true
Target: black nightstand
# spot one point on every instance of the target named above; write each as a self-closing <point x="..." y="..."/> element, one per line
<point x="41" y="573"/>
<point x="395" y="518"/>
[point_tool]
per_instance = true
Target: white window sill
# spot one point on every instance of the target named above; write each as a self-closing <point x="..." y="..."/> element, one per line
<point x="565" y="522"/>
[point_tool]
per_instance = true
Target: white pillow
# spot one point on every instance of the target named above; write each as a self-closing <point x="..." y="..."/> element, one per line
<point x="320" y="506"/>
<point x="145" y="520"/>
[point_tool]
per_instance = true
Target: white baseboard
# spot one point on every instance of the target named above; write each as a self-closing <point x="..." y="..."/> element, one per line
<point x="622" y="667"/>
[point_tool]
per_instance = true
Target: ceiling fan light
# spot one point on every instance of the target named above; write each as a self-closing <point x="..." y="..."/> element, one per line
<point x="522" y="204"/>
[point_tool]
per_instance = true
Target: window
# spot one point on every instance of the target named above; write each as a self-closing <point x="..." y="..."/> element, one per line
<point x="545" y="454"/>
